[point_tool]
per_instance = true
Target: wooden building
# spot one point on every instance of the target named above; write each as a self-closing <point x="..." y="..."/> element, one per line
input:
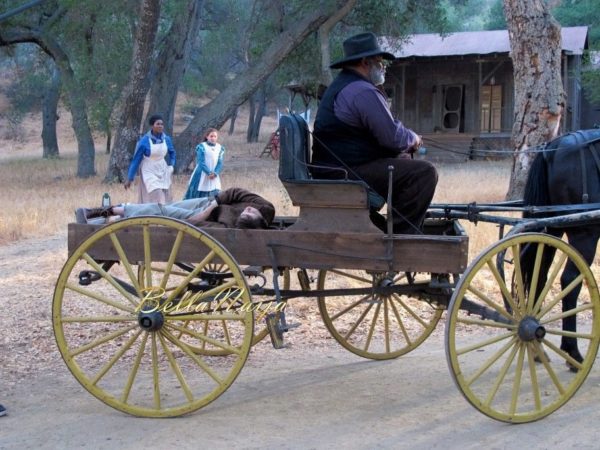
<point x="458" y="89"/>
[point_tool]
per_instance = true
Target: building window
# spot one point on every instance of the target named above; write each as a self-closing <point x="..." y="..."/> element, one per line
<point x="491" y="108"/>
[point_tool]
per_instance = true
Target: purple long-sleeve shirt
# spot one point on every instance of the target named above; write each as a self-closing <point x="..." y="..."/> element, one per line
<point x="360" y="104"/>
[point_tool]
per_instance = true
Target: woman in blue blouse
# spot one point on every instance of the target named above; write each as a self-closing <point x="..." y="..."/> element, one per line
<point x="150" y="164"/>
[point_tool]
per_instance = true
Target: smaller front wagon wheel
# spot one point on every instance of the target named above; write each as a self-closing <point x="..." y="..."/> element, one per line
<point x="512" y="327"/>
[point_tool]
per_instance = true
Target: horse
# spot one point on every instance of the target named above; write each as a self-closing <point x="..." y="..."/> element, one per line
<point x="566" y="172"/>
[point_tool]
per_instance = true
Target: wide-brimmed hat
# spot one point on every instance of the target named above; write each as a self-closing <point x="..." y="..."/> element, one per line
<point x="361" y="46"/>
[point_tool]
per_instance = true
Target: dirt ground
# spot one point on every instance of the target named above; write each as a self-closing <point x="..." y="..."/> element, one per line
<point x="313" y="394"/>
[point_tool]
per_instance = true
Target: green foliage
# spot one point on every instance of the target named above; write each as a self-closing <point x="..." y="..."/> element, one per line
<point x="32" y="78"/>
<point x="580" y="12"/>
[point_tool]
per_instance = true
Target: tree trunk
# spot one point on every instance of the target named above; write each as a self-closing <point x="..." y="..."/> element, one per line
<point x="259" y="106"/>
<point x="85" y="142"/>
<point x="232" y="121"/>
<point x="536" y="49"/>
<point x="134" y="94"/>
<point x="50" y="116"/>
<point x="216" y="113"/>
<point x="170" y="64"/>
<point x="324" y="31"/>
<point x="251" y="114"/>
<point x="108" y="139"/>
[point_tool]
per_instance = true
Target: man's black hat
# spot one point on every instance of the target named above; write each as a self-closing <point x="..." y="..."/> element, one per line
<point x="361" y="46"/>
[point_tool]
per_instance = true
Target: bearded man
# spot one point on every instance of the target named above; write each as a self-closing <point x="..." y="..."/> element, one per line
<point x="355" y="136"/>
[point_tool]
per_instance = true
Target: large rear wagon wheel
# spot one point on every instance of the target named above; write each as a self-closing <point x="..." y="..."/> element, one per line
<point x="211" y="275"/>
<point x="503" y="340"/>
<point x="371" y="325"/>
<point x="129" y="342"/>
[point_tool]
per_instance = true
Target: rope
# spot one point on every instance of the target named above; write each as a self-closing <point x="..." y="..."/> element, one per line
<point x="537" y="149"/>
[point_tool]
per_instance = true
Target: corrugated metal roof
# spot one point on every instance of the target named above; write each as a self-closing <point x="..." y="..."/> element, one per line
<point x="574" y="40"/>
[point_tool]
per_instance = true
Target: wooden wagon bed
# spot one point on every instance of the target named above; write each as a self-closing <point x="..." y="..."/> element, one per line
<point x="443" y="249"/>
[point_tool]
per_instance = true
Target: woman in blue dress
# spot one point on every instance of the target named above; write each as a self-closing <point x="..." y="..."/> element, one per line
<point x="205" y="180"/>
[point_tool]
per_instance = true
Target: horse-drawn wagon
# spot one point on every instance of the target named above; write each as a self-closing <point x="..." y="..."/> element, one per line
<point x="156" y="317"/>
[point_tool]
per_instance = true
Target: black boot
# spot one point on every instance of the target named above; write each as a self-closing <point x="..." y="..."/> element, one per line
<point x="82" y="215"/>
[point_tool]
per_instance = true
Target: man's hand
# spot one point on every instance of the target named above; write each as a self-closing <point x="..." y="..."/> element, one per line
<point x="417" y="144"/>
<point x="127" y="184"/>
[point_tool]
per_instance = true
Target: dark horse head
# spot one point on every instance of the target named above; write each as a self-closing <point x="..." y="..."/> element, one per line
<point x="566" y="173"/>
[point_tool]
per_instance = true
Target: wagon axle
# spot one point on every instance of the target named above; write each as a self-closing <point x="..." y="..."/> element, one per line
<point x="530" y="329"/>
<point x="151" y="321"/>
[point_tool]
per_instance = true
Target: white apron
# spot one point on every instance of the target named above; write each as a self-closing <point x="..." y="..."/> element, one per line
<point x="156" y="174"/>
<point x="211" y="158"/>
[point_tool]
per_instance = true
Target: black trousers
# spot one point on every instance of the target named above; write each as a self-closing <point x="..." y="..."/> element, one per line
<point x="413" y="186"/>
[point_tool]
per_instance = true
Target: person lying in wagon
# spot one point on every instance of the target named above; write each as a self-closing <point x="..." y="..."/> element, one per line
<point x="231" y="208"/>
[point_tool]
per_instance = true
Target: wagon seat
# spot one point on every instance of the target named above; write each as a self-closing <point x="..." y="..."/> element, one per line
<point x="325" y="205"/>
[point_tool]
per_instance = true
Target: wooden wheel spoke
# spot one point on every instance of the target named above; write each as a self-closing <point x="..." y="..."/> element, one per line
<point x="504" y="289"/>
<point x="571" y="334"/>
<point x="533" y="376"/>
<point x="109" y="319"/>
<point x="564" y="355"/>
<point x="102" y="340"/>
<point x="401" y="323"/>
<point x="98" y="297"/>
<point x="534" y="278"/>
<point x="358" y="322"/>
<point x="491" y="360"/>
<point x="372" y="327"/>
<point x="108" y="277"/>
<point x="549" y="282"/>
<point x="518" y="273"/>
<point x="500" y="310"/>
<point x="134" y="368"/>
<point x="566" y="291"/>
<point x="193" y="274"/>
<point x="349" y="307"/>
<point x="386" y="322"/>
<point x="517" y="381"/>
<point x="199" y="362"/>
<point x="206" y="317"/>
<point x="116" y="357"/>
<point x="485" y="323"/>
<point x="502" y="374"/>
<point x="351" y="276"/>
<point x="171" y="260"/>
<point x="482" y="344"/>
<point x="206" y="339"/>
<point x="125" y="262"/>
<point x="176" y="369"/>
<point x="155" y="373"/>
<point x="409" y="310"/>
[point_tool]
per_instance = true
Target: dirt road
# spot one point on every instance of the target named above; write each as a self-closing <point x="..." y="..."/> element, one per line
<point x="311" y="395"/>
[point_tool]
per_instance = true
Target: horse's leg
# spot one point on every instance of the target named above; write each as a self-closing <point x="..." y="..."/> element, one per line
<point x="585" y="241"/>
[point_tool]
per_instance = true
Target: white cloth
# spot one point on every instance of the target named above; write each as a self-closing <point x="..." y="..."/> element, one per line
<point x="211" y="158"/>
<point x="155" y="172"/>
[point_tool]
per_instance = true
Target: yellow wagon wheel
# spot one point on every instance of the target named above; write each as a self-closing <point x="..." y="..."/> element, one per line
<point x="371" y="325"/>
<point x="503" y="339"/>
<point x="211" y="275"/>
<point x="128" y="341"/>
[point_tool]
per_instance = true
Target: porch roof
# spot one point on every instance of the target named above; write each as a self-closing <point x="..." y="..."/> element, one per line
<point x="574" y="41"/>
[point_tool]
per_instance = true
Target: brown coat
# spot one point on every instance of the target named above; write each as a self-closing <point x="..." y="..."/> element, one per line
<point x="232" y="202"/>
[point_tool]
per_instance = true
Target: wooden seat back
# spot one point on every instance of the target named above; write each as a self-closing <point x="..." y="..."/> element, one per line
<point x="325" y="205"/>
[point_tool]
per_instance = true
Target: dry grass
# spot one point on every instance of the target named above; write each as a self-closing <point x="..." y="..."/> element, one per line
<point x="39" y="196"/>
